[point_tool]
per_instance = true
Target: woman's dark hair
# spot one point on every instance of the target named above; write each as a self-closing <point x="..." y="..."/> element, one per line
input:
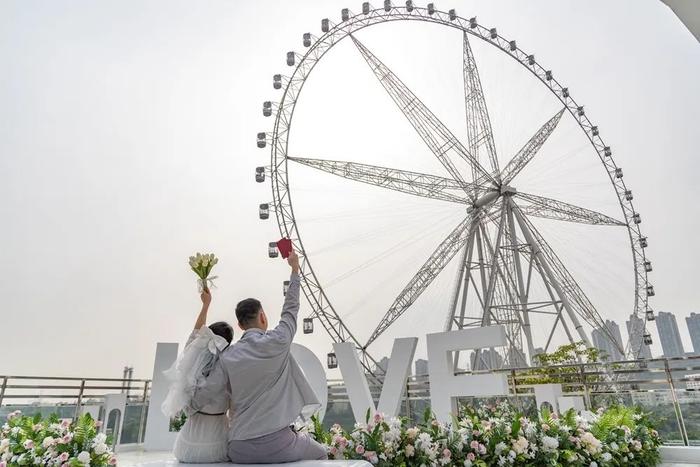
<point x="223" y="329"/>
<point x="247" y="311"/>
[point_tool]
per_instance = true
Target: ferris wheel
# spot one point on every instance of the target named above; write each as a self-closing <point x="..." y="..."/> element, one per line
<point x="500" y="252"/>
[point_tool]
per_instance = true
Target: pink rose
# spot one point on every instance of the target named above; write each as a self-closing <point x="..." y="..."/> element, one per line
<point x="98" y="423"/>
<point x="446" y="453"/>
<point x="28" y="444"/>
<point x="378" y="416"/>
<point x="471" y="456"/>
<point x="474" y="445"/>
<point x="359" y="449"/>
<point x="63" y="457"/>
<point x="112" y="461"/>
<point x="3" y="464"/>
<point x="482" y="449"/>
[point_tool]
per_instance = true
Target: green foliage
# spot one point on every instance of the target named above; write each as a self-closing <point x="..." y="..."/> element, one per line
<point x="178" y="421"/>
<point x="548" y="372"/>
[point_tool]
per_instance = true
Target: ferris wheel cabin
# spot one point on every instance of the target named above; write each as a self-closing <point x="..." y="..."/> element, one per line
<point x="272" y="250"/>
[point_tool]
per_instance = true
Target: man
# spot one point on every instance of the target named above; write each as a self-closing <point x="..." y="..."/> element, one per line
<point x="268" y="389"/>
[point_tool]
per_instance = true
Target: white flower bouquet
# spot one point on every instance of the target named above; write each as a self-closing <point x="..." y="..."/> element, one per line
<point x="53" y="442"/>
<point x="202" y="264"/>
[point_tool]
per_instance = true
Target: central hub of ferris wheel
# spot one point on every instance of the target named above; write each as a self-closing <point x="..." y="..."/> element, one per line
<point x="500" y="251"/>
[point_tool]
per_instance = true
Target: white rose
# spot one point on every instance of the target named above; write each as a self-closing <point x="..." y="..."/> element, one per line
<point x="100" y="438"/>
<point x="549" y="444"/>
<point x="100" y="448"/>
<point x="84" y="457"/>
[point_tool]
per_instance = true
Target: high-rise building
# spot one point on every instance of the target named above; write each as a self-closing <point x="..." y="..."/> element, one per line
<point x="693" y="322"/>
<point x="635" y="329"/>
<point x="602" y="340"/>
<point x="383" y="364"/>
<point x="421" y="367"/>
<point x="489" y="359"/>
<point x="668" y="334"/>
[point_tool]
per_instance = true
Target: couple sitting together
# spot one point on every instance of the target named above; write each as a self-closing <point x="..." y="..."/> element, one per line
<point x="241" y="399"/>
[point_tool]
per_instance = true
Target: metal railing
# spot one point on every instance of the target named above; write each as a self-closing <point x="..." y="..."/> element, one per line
<point x="71" y="396"/>
<point x="668" y="387"/>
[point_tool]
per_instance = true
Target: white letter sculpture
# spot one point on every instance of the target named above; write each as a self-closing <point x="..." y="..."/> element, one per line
<point x="445" y="386"/>
<point x="158" y="435"/>
<point x="394" y="381"/>
<point x="315" y="374"/>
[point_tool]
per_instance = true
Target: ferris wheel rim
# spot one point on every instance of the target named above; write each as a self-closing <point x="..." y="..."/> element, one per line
<point x="279" y="174"/>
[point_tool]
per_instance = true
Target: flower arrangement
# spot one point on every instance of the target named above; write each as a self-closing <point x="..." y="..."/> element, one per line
<point x="500" y="436"/>
<point x="202" y="264"/>
<point x="53" y="442"/>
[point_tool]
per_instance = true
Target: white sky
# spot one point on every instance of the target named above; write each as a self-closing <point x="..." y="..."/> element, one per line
<point x="127" y="142"/>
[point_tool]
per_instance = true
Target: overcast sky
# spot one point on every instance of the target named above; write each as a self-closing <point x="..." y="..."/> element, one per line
<point x="127" y="143"/>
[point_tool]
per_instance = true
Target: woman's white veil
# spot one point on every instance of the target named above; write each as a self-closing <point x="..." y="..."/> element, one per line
<point x="188" y="371"/>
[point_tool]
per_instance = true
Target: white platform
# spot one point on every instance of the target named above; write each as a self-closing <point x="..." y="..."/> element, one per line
<point x="680" y="455"/>
<point x="166" y="459"/>
<point x="671" y="456"/>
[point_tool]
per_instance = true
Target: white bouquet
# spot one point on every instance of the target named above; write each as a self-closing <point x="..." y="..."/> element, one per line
<point x="202" y="264"/>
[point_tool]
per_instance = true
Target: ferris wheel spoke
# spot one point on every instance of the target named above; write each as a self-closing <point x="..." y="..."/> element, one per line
<point x="404" y="181"/>
<point x="437" y="261"/>
<point x="528" y="152"/>
<point x="573" y="298"/>
<point x="479" y="131"/>
<point x="549" y="208"/>
<point x="434" y="133"/>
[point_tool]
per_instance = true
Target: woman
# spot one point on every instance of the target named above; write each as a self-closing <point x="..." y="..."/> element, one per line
<point x="203" y="437"/>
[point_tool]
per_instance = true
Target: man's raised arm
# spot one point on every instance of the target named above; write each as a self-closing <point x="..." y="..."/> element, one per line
<point x="287" y="327"/>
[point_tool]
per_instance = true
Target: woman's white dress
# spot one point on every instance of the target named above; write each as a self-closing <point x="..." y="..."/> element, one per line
<point x="203" y="437"/>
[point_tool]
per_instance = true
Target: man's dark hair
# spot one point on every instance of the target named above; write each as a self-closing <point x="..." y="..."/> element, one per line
<point x="223" y="329"/>
<point x="247" y="311"/>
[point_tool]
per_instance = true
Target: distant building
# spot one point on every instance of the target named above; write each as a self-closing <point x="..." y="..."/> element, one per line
<point x="602" y="341"/>
<point x="488" y="360"/>
<point x="668" y="334"/>
<point x="635" y="329"/>
<point x="421" y="367"/>
<point x="383" y="364"/>
<point x="516" y="359"/>
<point x="694" y="382"/>
<point x="693" y="322"/>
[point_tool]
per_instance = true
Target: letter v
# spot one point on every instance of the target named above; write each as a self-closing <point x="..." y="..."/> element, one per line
<point x="394" y="381"/>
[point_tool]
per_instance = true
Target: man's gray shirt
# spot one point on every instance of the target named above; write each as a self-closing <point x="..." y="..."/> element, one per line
<point x="268" y="389"/>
